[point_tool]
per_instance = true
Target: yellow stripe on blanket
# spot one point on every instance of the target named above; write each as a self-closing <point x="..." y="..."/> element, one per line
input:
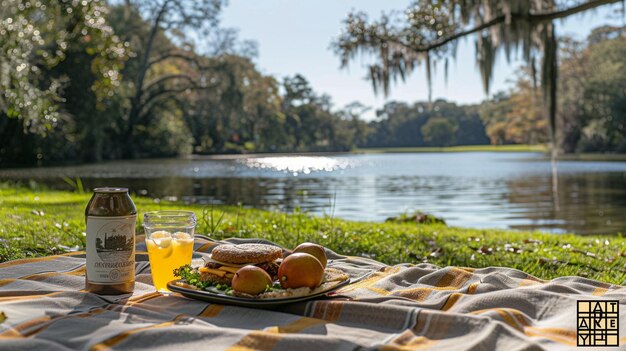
<point x="14" y="298"/>
<point x="38" y="259"/>
<point x="472" y="288"/>
<point x="327" y="310"/>
<point x="27" y="260"/>
<point x="426" y="319"/>
<point x="36" y="325"/>
<point x="379" y="291"/>
<point x="562" y="336"/>
<point x="408" y="341"/>
<point x="370" y="281"/>
<point x="528" y="282"/>
<point x="417" y="294"/>
<point x="256" y="340"/>
<point x="510" y="316"/>
<point x="600" y="291"/>
<point x="106" y="344"/>
<point x="296" y="326"/>
<point x="143" y="297"/>
<point x="211" y="311"/>
<point x="455" y="277"/>
<point x="452" y="299"/>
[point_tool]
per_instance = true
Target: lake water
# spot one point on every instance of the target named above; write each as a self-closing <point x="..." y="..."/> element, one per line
<point x="479" y="189"/>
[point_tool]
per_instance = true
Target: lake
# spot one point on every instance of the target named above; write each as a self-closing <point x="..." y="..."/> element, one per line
<point x="478" y="189"/>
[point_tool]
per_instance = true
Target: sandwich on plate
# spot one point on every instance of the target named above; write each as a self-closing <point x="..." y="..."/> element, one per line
<point x="227" y="259"/>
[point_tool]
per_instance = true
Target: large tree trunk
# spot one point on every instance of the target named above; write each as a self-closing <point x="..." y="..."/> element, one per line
<point x="135" y="107"/>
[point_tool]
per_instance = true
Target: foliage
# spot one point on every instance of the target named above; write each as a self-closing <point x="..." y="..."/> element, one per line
<point x="592" y="114"/>
<point x="40" y="222"/>
<point x="428" y="30"/>
<point x="598" y="89"/>
<point x="169" y="98"/>
<point x="417" y="217"/>
<point x="310" y="121"/>
<point x="191" y="276"/>
<point x="515" y="118"/>
<point x="166" y="67"/>
<point x="36" y="37"/>
<point x="440" y="123"/>
<point x="439" y="131"/>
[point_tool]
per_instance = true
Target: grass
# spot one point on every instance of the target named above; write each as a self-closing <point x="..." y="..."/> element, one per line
<point x="37" y="222"/>
<point x="462" y="148"/>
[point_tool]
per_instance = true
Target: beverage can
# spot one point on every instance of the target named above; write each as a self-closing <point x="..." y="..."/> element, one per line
<point x="110" y="251"/>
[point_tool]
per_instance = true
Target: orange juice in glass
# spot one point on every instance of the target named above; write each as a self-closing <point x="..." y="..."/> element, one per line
<point x="169" y="240"/>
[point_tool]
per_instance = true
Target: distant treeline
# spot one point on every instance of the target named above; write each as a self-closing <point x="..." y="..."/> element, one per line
<point x="440" y="123"/>
<point x="133" y="85"/>
<point x="591" y="106"/>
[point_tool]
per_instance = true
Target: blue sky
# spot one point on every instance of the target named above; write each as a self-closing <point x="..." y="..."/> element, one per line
<point x="294" y="37"/>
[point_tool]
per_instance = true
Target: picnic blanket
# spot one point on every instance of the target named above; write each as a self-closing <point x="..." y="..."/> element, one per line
<point x="402" y="307"/>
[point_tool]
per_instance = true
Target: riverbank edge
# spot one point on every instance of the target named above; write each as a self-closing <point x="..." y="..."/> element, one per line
<point x="384" y="150"/>
<point x="460" y="148"/>
<point x="610" y="157"/>
<point x="39" y="222"/>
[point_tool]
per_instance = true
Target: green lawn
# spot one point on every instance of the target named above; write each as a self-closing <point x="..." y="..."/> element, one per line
<point x="463" y="148"/>
<point x="44" y="222"/>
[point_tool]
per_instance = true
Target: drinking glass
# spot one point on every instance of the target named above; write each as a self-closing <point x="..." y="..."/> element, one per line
<point x="169" y="240"/>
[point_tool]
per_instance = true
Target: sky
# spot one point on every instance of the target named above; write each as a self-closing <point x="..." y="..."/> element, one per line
<point x="295" y="36"/>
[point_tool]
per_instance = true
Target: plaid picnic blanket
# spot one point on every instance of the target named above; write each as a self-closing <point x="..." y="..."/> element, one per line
<point x="402" y="307"/>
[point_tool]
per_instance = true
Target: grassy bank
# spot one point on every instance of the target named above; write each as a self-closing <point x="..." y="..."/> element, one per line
<point x="43" y="222"/>
<point x="463" y="148"/>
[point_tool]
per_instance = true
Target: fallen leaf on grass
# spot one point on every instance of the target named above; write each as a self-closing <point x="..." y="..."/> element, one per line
<point x="586" y="253"/>
<point x="513" y="249"/>
<point x="531" y="241"/>
<point x="436" y="253"/>
<point x="485" y="250"/>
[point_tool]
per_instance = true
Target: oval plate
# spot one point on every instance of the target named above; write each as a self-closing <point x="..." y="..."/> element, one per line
<point x="243" y="301"/>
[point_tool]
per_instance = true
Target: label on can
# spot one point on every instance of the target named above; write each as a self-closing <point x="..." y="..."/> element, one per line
<point x="111" y="249"/>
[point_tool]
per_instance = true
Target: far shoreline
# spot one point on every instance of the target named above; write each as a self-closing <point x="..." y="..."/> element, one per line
<point x="513" y="148"/>
<point x="380" y="150"/>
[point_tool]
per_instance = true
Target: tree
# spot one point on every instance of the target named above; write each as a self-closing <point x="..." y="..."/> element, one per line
<point x="514" y="117"/>
<point x="431" y="28"/>
<point x="172" y="17"/>
<point x="352" y="113"/>
<point x="402" y="125"/>
<point x="439" y="131"/>
<point x="572" y="82"/>
<point x="243" y="107"/>
<point x="600" y="90"/>
<point x="36" y="36"/>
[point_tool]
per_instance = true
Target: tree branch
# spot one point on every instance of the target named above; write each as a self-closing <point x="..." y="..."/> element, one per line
<point x="535" y="18"/>
<point x="165" y="93"/>
<point x="166" y="78"/>
<point x="172" y="54"/>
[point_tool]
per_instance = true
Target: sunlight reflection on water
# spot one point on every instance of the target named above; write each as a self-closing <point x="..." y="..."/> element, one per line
<point x="298" y="164"/>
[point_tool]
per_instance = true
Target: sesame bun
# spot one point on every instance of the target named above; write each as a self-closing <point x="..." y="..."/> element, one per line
<point x="246" y="253"/>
